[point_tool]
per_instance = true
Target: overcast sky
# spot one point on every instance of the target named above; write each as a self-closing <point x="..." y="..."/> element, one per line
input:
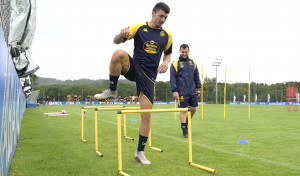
<point x="74" y="38"/>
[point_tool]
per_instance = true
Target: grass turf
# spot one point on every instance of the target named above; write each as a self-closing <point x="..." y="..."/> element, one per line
<point x="53" y="146"/>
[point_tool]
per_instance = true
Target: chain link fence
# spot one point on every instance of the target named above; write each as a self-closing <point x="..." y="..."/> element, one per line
<point x="5" y="11"/>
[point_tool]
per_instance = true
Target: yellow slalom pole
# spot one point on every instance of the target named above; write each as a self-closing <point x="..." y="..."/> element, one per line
<point x="202" y="90"/>
<point x="175" y="112"/>
<point x="190" y="137"/>
<point x="96" y="135"/>
<point x="249" y="95"/>
<point x="96" y="131"/>
<point x="225" y="94"/>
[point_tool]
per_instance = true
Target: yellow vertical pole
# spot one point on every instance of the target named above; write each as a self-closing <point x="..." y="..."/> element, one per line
<point x="96" y="131"/>
<point x="119" y="143"/>
<point x="175" y="112"/>
<point x="149" y="137"/>
<point x="82" y="110"/>
<point x="249" y="95"/>
<point x="125" y="125"/>
<point x="190" y="136"/>
<point x="225" y="94"/>
<point x="202" y="90"/>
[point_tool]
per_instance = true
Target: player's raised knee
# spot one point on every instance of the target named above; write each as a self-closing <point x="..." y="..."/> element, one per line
<point x="119" y="54"/>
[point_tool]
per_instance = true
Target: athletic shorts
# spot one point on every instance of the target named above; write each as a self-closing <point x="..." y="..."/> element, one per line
<point x="143" y="82"/>
<point x="188" y="100"/>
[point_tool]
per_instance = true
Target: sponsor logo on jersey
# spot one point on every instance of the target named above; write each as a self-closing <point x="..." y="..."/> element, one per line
<point x="151" y="47"/>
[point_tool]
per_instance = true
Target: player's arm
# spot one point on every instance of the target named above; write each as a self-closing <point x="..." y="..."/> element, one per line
<point x="164" y="66"/>
<point x="173" y="81"/>
<point x="124" y="34"/>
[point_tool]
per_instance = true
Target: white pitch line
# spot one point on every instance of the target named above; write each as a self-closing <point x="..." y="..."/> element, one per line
<point x="221" y="150"/>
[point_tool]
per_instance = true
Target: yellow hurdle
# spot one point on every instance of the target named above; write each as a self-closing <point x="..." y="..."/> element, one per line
<point x="82" y="117"/>
<point x="96" y="123"/>
<point x="150" y="146"/>
<point x="175" y="108"/>
<point x="120" y="169"/>
<point x="125" y="135"/>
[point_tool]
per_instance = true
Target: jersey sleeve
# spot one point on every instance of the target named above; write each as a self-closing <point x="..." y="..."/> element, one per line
<point x="168" y="47"/>
<point x="133" y="29"/>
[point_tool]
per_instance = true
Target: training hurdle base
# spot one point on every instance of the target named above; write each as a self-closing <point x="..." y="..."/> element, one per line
<point x="120" y="169"/>
<point x="96" y="124"/>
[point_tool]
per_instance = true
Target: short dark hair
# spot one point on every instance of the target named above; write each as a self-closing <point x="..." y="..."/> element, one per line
<point x="184" y="46"/>
<point x="161" y="6"/>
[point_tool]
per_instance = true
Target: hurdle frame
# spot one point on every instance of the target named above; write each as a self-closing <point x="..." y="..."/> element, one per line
<point x="96" y="124"/>
<point x="120" y="169"/>
<point x="150" y="144"/>
<point x="82" y="117"/>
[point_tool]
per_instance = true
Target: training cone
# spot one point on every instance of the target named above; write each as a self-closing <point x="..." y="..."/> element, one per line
<point x="243" y="141"/>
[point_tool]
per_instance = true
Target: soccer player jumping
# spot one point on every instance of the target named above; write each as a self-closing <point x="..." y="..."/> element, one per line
<point x="150" y="41"/>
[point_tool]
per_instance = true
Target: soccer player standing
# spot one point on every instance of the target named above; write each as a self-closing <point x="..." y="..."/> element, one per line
<point x="185" y="83"/>
<point x="150" y="41"/>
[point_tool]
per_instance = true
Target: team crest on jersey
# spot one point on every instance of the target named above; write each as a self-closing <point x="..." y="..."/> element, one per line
<point x="145" y="30"/>
<point x="162" y="34"/>
<point x="191" y="63"/>
<point x="181" y="65"/>
<point x="151" y="47"/>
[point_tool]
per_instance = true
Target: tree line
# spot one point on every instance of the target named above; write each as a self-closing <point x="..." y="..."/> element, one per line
<point x="163" y="91"/>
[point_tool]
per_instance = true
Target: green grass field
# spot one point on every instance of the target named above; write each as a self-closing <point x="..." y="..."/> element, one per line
<point x="53" y="146"/>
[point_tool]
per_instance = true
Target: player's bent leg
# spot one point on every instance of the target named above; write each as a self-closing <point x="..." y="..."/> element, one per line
<point x="118" y="63"/>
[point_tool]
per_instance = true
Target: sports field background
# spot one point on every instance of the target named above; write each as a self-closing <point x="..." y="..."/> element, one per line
<point x="53" y="146"/>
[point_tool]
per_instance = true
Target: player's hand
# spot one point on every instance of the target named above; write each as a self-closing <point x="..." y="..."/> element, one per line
<point x="198" y="93"/>
<point x="125" y="32"/>
<point x="175" y="95"/>
<point x="163" y="68"/>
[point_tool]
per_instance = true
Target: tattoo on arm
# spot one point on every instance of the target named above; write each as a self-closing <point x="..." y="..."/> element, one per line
<point x="118" y="39"/>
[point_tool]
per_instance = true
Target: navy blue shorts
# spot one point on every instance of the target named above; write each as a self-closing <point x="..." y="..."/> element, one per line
<point x="188" y="100"/>
<point x="143" y="82"/>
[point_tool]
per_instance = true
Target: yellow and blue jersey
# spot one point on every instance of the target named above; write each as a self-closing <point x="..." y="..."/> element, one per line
<point x="184" y="76"/>
<point x="149" y="44"/>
